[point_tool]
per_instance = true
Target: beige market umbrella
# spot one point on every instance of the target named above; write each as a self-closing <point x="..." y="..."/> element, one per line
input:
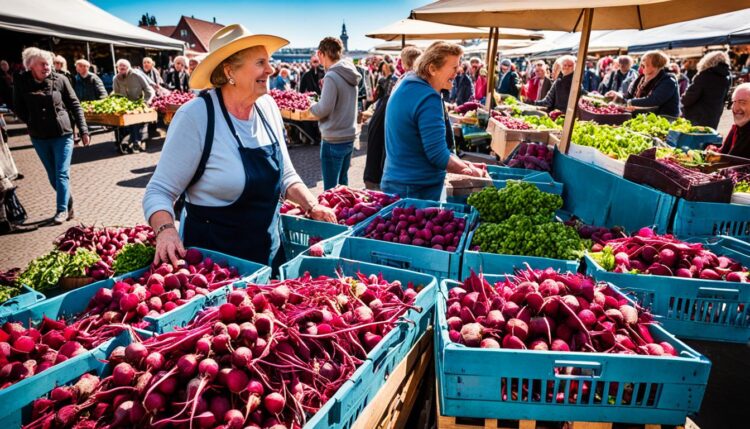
<point x="414" y="29"/>
<point x="573" y="15"/>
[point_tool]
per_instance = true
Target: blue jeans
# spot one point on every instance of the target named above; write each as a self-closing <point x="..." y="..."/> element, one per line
<point x="420" y="192"/>
<point x="136" y="133"/>
<point x="334" y="162"/>
<point x="55" y="154"/>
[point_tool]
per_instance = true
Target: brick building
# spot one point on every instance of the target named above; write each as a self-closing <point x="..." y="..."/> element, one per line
<point x="195" y="32"/>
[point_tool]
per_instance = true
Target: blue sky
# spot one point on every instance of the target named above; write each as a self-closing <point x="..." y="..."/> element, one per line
<point x="302" y="22"/>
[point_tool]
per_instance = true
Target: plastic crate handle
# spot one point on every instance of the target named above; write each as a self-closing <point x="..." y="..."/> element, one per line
<point x="716" y="292"/>
<point x="390" y="260"/>
<point x="596" y="368"/>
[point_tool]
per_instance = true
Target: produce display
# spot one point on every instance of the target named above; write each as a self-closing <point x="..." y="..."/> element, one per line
<point x="45" y="272"/>
<point x="739" y="177"/>
<point x="658" y="126"/>
<point x="351" y="206"/>
<point x="519" y="220"/>
<point x="532" y="156"/>
<point x="599" y="106"/>
<point x="29" y="351"/>
<point x="510" y="122"/>
<point x="469" y="106"/>
<point x="176" y="98"/>
<point x="540" y="122"/>
<point x="597" y="234"/>
<point x="268" y="358"/>
<point x="133" y="256"/>
<point x="546" y="310"/>
<point x="291" y="100"/>
<point x="9" y="284"/>
<point x="106" y="242"/>
<point x="615" y="142"/>
<point x="115" y="105"/>
<point x="664" y="255"/>
<point x="429" y="227"/>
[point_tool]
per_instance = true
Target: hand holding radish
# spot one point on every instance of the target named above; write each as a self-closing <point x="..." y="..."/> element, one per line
<point x="169" y="247"/>
<point x="322" y="213"/>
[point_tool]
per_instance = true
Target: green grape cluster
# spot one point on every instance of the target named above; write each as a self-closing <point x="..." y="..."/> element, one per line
<point x="529" y="236"/>
<point x="517" y="198"/>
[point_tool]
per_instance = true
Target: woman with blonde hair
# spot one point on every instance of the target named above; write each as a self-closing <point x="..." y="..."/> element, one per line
<point x="656" y="90"/>
<point x="704" y="99"/>
<point x="225" y="151"/>
<point x="417" y="131"/>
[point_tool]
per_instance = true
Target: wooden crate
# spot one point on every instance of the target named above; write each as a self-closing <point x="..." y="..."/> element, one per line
<point x="504" y="140"/>
<point x="447" y="422"/>
<point x="113" y="120"/>
<point x="392" y="406"/>
<point x="295" y="115"/>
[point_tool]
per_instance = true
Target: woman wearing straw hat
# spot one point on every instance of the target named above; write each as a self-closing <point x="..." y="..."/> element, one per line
<point x="225" y="151"/>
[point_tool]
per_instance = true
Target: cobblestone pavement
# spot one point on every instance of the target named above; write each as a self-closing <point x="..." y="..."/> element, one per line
<point x="108" y="187"/>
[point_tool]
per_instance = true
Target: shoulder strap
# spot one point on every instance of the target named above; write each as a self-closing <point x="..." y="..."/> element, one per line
<point x="209" y="142"/>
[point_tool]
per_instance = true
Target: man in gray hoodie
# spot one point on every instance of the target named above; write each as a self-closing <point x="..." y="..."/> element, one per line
<point x="336" y="112"/>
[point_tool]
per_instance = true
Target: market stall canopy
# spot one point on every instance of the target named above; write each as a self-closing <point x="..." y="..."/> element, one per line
<point x="714" y="30"/>
<point x="601" y="41"/>
<point x="413" y="29"/>
<point x="481" y="48"/>
<point x="396" y="46"/>
<point x="78" y="20"/>
<point x="568" y="15"/>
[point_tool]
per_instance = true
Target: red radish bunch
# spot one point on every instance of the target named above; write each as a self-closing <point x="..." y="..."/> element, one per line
<point x="176" y="98"/>
<point x="511" y="123"/>
<point x="157" y="291"/>
<point x="532" y="156"/>
<point x="25" y="352"/>
<point x="106" y="242"/>
<point x="600" y="109"/>
<point x="597" y="234"/>
<point x="268" y="358"/>
<point x="546" y="310"/>
<point x="429" y="227"/>
<point x="291" y="100"/>
<point x="664" y="255"/>
<point x="350" y="205"/>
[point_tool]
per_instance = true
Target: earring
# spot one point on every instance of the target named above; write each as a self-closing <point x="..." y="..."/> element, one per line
<point x="231" y="81"/>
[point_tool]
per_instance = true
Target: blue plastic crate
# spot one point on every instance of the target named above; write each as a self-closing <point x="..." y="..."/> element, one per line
<point x="697" y="219"/>
<point x="17" y="399"/>
<point x="711" y="310"/>
<point x="688" y="141"/>
<point x="74" y="302"/>
<point x="297" y="232"/>
<point x="599" y="197"/>
<point x="502" y="383"/>
<point x="491" y="263"/>
<point x="357" y="392"/>
<point x="439" y="263"/>
<point x="26" y="298"/>
<point x="501" y="175"/>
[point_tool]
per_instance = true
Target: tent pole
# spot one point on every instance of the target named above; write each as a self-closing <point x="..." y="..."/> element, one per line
<point x="114" y="60"/>
<point x="575" y="90"/>
<point x="403" y="41"/>
<point x="489" y="45"/>
<point x="491" y="68"/>
<point x="88" y="52"/>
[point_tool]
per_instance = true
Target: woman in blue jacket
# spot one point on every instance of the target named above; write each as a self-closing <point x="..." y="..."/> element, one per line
<point x="417" y="128"/>
<point x="656" y="90"/>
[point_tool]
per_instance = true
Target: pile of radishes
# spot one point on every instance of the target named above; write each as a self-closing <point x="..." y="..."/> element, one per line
<point x="176" y="98"/>
<point x="546" y="310"/>
<point x="511" y="123"/>
<point x="429" y="227"/>
<point x="597" y="234"/>
<point x="351" y="206"/>
<point x="268" y="358"/>
<point x="106" y="242"/>
<point x="291" y="100"/>
<point x="532" y="156"/>
<point x="158" y="290"/>
<point x="664" y="255"/>
<point x="600" y="108"/>
<point x="25" y="352"/>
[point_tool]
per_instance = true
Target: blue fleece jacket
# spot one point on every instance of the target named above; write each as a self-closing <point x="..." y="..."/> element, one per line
<point x="416" y="150"/>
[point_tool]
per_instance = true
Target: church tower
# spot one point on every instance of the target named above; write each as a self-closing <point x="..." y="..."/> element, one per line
<point x="344" y="37"/>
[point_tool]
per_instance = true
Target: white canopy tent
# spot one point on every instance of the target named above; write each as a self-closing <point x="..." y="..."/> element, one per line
<point x="79" y="20"/>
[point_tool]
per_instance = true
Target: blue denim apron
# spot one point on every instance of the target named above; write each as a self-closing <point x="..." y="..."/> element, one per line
<point x="249" y="227"/>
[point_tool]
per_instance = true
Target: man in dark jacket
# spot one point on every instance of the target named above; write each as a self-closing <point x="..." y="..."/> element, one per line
<point x="507" y="81"/>
<point x="703" y="101"/>
<point x="88" y="86"/>
<point x="558" y="95"/>
<point x="178" y="79"/>
<point x="737" y="142"/>
<point x="463" y="88"/>
<point x="311" y="79"/>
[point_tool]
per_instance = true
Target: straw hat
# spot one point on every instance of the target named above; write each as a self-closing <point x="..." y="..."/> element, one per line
<point x="225" y="42"/>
